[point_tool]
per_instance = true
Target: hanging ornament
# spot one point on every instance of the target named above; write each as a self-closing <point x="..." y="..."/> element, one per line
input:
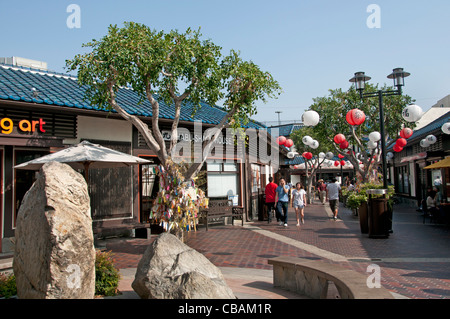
<point x="339" y="138"/>
<point x="401" y="142"/>
<point x="281" y="140"/>
<point x="342" y="163"/>
<point x="314" y="144"/>
<point x="341" y="156"/>
<point x="343" y="145"/>
<point x="424" y="143"/>
<point x="397" y="148"/>
<point x="375" y="136"/>
<point x="371" y="145"/>
<point x="431" y="139"/>
<point x="355" y="117"/>
<point x="307" y="140"/>
<point x="446" y="128"/>
<point x="310" y="118"/>
<point x="336" y="163"/>
<point x="406" y="132"/>
<point x="412" y="113"/>
<point x="307" y="155"/>
<point x="288" y="143"/>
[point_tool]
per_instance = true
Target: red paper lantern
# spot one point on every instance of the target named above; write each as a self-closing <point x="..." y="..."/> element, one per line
<point x="406" y="132"/>
<point x="397" y="148"/>
<point x="339" y="138"/>
<point x="307" y="155"/>
<point x="342" y="163"/>
<point x="401" y="142"/>
<point x="281" y="140"/>
<point x="289" y="142"/>
<point x="341" y="156"/>
<point x="336" y="163"/>
<point x="355" y="117"/>
<point x="343" y="145"/>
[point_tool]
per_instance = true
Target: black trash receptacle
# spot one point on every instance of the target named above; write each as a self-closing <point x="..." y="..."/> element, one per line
<point x="378" y="214"/>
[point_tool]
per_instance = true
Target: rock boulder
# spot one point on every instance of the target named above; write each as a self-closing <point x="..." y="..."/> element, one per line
<point x="170" y="269"/>
<point x="54" y="255"/>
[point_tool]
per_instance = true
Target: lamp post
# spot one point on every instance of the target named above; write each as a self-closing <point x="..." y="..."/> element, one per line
<point x="360" y="79"/>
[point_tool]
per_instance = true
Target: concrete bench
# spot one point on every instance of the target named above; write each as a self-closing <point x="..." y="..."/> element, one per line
<point x="311" y="278"/>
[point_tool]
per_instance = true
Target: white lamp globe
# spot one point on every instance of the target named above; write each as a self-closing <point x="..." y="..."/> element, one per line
<point x="307" y="140"/>
<point x="431" y="139"/>
<point x="375" y="136"/>
<point x="424" y="143"/>
<point x="446" y="128"/>
<point x="372" y="145"/>
<point x="310" y="118"/>
<point x="412" y="113"/>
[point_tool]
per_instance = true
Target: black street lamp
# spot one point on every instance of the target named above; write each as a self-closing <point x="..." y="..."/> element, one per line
<point x="360" y="79"/>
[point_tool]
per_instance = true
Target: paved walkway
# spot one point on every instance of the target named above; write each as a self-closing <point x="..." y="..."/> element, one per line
<point x="414" y="260"/>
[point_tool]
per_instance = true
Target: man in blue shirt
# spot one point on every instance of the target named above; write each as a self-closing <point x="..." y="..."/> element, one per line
<point x="282" y="200"/>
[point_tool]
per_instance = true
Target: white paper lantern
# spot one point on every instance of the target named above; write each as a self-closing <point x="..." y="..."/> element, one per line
<point x="431" y="139"/>
<point x="375" y="136"/>
<point x="424" y="143"/>
<point x="307" y="140"/>
<point x="314" y="144"/>
<point x="389" y="155"/>
<point x="290" y="155"/>
<point x="310" y="118"/>
<point x="329" y="155"/>
<point x="321" y="155"/>
<point x="412" y="113"/>
<point x="446" y="128"/>
<point x="372" y="144"/>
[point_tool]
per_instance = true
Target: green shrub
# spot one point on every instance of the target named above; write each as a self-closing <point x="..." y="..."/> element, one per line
<point x="107" y="276"/>
<point x="7" y="285"/>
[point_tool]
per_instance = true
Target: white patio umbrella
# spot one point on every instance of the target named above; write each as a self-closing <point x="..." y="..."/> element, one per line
<point x="85" y="155"/>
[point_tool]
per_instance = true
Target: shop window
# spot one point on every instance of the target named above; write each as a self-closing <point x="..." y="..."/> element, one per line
<point x="256" y="178"/>
<point x="402" y="180"/>
<point x="222" y="179"/>
<point x="24" y="178"/>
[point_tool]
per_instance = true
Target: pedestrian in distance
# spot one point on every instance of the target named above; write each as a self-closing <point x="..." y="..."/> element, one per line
<point x="299" y="202"/>
<point x="333" y="190"/>
<point x="322" y="188"/>
<point x="282" y="200"/>
<point x="270" y="192"/>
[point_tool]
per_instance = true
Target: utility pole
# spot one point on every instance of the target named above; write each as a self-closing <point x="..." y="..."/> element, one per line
<point x="279" y="122"/>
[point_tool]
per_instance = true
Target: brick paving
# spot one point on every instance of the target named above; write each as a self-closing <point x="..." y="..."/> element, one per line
<point x="414" y="260"/>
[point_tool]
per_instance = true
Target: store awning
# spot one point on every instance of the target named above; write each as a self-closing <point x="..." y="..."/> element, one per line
<point x="445" y="163"/>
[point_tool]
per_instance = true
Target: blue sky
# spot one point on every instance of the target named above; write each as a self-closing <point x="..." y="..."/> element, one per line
<point x="309" y="46"/>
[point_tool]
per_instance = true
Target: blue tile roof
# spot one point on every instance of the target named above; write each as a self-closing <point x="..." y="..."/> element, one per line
<point x="16" y="84"/>
<point x="286" y="129"/>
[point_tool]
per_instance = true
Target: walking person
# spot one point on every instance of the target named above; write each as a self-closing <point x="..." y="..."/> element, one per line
<point x="282" y="200"/>
<point x="333" y="190"/>
<point x="299" y="202"/>
<point x="322" y="188"/>
<point x="270" y="192"/>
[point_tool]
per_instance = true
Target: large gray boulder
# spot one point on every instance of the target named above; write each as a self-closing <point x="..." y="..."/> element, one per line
<point x="170" y="269"/>
<point x="54" y="255"/>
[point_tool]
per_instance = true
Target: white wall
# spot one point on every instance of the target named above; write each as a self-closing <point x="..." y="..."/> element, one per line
<point x="98" y="128"/>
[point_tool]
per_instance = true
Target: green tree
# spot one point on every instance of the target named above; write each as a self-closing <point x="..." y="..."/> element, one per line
<point x="333" y="110"/>
<point x="172" y="67"/>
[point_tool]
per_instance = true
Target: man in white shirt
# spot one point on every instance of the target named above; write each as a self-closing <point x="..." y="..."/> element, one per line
<point x="333" y="190"/>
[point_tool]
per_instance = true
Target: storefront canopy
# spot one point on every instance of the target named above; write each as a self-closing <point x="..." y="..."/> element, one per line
<point x="445" y="163"/>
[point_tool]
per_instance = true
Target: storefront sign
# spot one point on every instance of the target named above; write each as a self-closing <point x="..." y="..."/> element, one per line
<point x="185" y="136"/>
<point x="7" y="126"/>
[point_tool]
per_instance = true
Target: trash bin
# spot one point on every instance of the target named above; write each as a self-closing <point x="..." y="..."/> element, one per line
<point x="363" y="218"/>
<point x="378" y="216"/>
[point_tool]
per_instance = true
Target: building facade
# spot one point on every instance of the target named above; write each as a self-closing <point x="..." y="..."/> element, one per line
<point x="43" y="112"/>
